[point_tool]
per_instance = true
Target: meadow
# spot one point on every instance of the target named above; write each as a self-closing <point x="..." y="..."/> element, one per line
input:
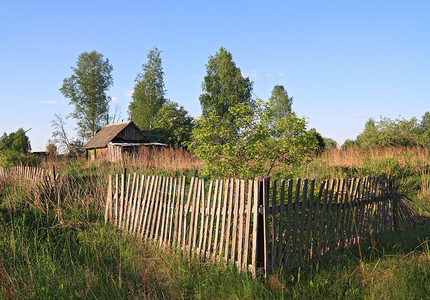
<point x="56" y="245"/>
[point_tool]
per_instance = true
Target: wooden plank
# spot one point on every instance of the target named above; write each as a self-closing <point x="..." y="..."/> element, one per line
<point x="172" y="216"/>
<point x="218" y="215"/>
<point x="147" y="208"/>
<point x="288" y="241"/>
<point x="181" y="228"/>
<point x="328" y="214"/>
<point x="108" y="210"/>
<point x="240" y="225"/>
<point x="209" y="215"/>
<point x="383" y="206"/>
<point x="281" y="224"/>
<point x="254" y="230"/>
<point x="248" y="224"/>
<point x="133" y="208"/>
<point x="186" y="210"/>
<point x="335" y="218"/>
<point x="341" y="209"/>
<point x="274" y="226"/>
<point x="196" y="216"/>
<point x="139" y="207"/>
<point x="354" y="210"/>
<point x="202" y="217"/>
<point x="193" y="211"/>
<point x="159" y="207"/>
<point x="309" y="221"/>
<point x="322" y="223"/>
<point x="266" y="227"/>
<point x="130" y="203"/>
<point x="121" y="202"/>
<point x="303" y="220"/>
<point x="150" y="221"/>
<point x="296" y="223"/>
<point x="126" y="200"/>
<point x="235" y="218"/>
<point x="348" y="208"/>
<point x="365" y="199"/>
<point x="165" y="203"/>
<point x="144" y="206"/>
<point x="230" y="212"/>
<point x="213" y="213"/>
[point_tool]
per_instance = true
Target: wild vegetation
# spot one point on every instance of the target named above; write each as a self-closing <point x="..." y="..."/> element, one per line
<point x="59" y="249"/>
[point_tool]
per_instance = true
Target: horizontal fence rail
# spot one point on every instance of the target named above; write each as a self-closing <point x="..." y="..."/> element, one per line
<point x="256" y="225"/>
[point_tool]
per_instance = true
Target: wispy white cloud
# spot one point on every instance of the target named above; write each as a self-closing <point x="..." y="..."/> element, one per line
<point x="361" y="116"/>
<point x="115" y="99"/>
<point x="269" y="74"/>
<point x="252" y="75"/>
<point x="128" y="93"/>
<point x="281" y="74"/>
<point x="49" y="102"/>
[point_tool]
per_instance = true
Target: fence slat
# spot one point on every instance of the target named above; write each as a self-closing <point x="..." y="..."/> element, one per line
<point x="309" y="221"/>
<point x="303" y="215"/>
<point x="144" y="207"/>
<point x="296" y="222"/>
<point x="228" y="230"/>
<point x="288" y="229"/>
<point x="108" y="210"/>
<point x="248" y="224"/>
<point x="240" y="225"/>
<point x="273" y="227"/>
<point x="235" y="217"/>
<point x="213" y="213"/>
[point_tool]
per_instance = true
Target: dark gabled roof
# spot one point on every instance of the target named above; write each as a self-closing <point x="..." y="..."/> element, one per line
<point x="108" y="133"/>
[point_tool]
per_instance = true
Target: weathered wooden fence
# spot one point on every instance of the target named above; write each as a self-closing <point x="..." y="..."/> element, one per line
<point x="256" y="225"/>
<point x="32" y="174"/>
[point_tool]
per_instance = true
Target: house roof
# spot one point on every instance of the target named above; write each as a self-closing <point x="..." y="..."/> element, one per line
<point x="107" y="134"/>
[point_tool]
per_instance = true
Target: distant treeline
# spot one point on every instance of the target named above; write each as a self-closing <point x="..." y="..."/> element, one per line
<point x="393" y="133"/>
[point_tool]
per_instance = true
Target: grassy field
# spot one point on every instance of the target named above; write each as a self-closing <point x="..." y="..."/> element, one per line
<point x="58" y="247"/>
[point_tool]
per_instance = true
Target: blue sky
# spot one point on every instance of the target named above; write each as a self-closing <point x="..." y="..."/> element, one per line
<point x="342" y="61"/>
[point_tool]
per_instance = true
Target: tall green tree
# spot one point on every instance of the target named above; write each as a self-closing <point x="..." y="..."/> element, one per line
<point x="149" y="92"/>
<point x="224" y="86"/>
<point x="16" y="141"/>
<point x="86" y="88"/>
<point x="172" y="125"/>
<point x="280" y="103"/>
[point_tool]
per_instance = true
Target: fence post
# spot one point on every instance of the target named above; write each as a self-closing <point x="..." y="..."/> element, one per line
<point x="262" y="230"/>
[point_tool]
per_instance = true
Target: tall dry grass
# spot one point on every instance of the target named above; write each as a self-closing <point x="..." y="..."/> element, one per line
<point x="354" y="156"/>
<point x="166" y="158"/>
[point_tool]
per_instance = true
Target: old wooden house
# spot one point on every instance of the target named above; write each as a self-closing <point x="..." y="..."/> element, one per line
<point x="114" y="140"/>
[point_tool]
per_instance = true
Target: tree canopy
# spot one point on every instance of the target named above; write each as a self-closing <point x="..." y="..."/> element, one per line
<point x="149" y="92"/>
<point x="172" y="124"/>
<point x="86" y="88"/>
<point x="244" y="147"/>
<point x="224" y="85"/>
<point x="15" y="141"/>
<point x="280" y="103"/>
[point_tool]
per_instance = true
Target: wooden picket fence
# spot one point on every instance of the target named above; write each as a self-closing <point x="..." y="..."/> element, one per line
<point x="256" y="225"/>
<point x="31" y="174"/>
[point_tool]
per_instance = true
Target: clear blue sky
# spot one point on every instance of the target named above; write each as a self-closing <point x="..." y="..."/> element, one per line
<point x="342" y="61"/>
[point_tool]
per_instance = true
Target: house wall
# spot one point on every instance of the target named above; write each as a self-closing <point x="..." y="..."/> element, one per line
<point x="130" y="134"/>
<point x="101" y="153"/>
<point x="114" y="153"/>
